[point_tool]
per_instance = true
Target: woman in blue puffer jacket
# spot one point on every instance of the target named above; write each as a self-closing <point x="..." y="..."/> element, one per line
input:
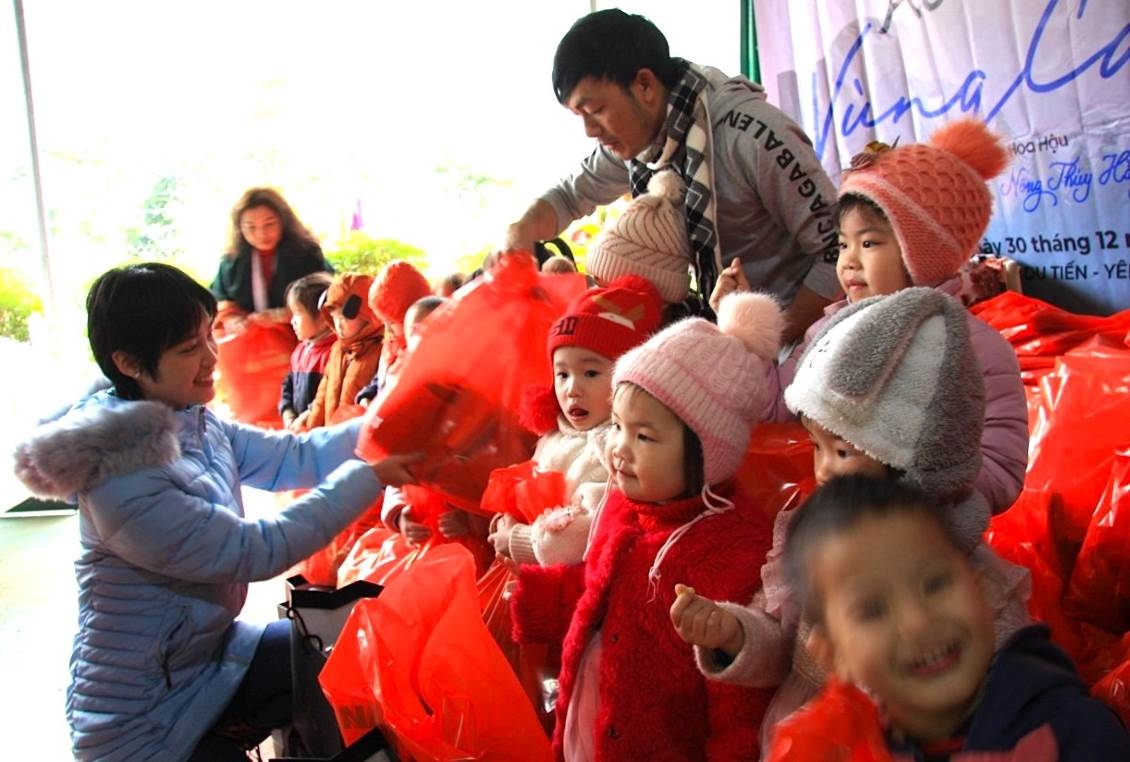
<point x="161" y="667"/>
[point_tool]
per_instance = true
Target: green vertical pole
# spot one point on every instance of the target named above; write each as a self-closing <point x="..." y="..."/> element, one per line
<point x="750" y="65"/>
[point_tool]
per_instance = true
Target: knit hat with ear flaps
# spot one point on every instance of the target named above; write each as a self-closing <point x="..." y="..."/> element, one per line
<point x="649" y="239"/>
<point x="711" y="376"/>
<point x="933" y="194"/>
<point x="896" y="377"/>
<point x="396" y="288"/>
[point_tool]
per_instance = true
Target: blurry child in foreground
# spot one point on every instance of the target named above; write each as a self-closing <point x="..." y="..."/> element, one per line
<point x="356" y="353"/>
<point x="912" y="627"/>
<point x="315" y="341"/>
<point x="573" y="417"/>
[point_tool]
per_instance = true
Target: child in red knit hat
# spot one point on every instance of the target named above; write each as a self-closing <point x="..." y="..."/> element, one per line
<point x="573" y="417"/>
<point x="682" y="412"/>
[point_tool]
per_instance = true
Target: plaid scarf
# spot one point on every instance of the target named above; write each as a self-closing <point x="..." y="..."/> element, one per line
<point x="688" y="137"/>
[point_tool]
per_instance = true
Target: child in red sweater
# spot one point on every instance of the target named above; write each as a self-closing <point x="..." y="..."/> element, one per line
<point x="682" y="411"/>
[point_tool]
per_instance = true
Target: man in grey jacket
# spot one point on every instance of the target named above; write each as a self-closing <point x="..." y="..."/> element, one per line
<point x="756" y="192"/>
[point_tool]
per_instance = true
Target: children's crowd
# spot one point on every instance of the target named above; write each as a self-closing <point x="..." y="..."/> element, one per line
<point x="683" y="619"/>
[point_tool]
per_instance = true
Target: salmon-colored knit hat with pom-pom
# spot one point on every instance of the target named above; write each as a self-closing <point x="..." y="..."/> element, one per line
<point x="649" y="239"/>
<point x="712" y="376"/>
<point x="933" y="194"/>
<point x="396" y="288"/>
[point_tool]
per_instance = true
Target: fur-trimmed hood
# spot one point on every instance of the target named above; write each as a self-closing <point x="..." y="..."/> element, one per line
<point x="100" y="437"/>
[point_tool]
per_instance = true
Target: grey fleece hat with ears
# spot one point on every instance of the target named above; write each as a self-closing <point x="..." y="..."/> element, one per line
<point x="896" y="377"/>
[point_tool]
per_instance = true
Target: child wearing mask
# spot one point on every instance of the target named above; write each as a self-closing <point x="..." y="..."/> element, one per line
<point x="574" y="416"/>
<point x="912" y="627"/>
<point x="356" y="353"/>
<point x="682" y="412"/>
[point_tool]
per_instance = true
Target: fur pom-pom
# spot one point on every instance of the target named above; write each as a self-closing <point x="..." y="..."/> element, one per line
<point x="975" y="144"/>
<point x="539" y="409"/>
<point x="667" y="184"/>
<point x="755" y="319"/>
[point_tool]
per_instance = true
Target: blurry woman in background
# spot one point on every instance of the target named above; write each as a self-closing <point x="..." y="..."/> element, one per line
<point x="270" y="248"/>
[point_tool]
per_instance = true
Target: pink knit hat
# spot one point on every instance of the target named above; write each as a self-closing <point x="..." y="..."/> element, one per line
<point x="609" y="320"/>
<point x="396" y="288"/>
<point x="649" y="239"/>
<point x="712" y="376"/>
<point x="933" y="194"/>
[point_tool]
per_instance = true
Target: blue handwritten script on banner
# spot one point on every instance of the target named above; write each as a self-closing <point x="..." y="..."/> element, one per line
<point x="1051" y="77"/>
<point x="969" y="96"/>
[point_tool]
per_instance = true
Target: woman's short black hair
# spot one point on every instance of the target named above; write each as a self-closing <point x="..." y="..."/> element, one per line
<point x="836" y="507"/>
<point x="142" y="310"/>
<point x="611" y="45"/>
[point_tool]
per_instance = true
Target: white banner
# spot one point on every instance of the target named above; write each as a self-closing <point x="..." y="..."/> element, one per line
<point x="1052" y="76"/>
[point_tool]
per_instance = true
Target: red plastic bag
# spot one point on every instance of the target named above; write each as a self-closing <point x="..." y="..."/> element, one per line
<point x="1037" y="329"/>
<point x="776" y="471"/>
<point x="1114" y="687"/>
<point x="840" y="724"/>
<point x="523" y="491"/>
<point x="1099" y="591"/>
<point x="251" y="363"/>
<point x="419" y="662"/>
<point x="458" y="394"/>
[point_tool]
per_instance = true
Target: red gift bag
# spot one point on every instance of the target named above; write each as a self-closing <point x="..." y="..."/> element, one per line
<point x="418" y="662"/>
<point x="776" y="471"/>
<point x="251" y="363"/>
<point x="840" y="724"/>
<point x="458" y="394"/>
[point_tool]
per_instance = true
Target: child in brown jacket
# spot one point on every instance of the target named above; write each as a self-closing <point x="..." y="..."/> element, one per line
<point x="356" y="353"/>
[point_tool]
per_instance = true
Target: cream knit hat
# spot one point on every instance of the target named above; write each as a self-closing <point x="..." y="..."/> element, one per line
<point x="649" y="239"/>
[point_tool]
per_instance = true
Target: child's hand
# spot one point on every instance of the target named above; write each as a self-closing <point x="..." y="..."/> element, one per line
<point x="414" y="532"/>
<point x="393" y="469"/>
<point x="702" y="622"/>
<point x="297" y="423"/>
<point x="499" y="535"/>
<point x="731" y="279"/>
<point x="454" y="523"/>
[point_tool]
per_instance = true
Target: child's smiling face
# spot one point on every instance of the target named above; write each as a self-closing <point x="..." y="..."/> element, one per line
<point x="905" y="617"/>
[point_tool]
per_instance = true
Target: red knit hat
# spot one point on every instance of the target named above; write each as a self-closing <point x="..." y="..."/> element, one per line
<point x="933" y="194"/>
<point x="609" y="320"/>
<point x="396" y="288"/>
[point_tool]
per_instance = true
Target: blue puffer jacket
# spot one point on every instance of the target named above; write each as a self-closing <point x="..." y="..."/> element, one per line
<point x="167" y="555"/>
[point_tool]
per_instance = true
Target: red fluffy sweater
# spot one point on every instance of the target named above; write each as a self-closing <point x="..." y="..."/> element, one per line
<point x="654" y="702"/>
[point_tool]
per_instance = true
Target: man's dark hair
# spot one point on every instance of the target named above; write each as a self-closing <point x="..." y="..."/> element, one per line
<point x="835" y="508"/>
<point x="611" y="45"/>
<point x="142" y="310"/>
